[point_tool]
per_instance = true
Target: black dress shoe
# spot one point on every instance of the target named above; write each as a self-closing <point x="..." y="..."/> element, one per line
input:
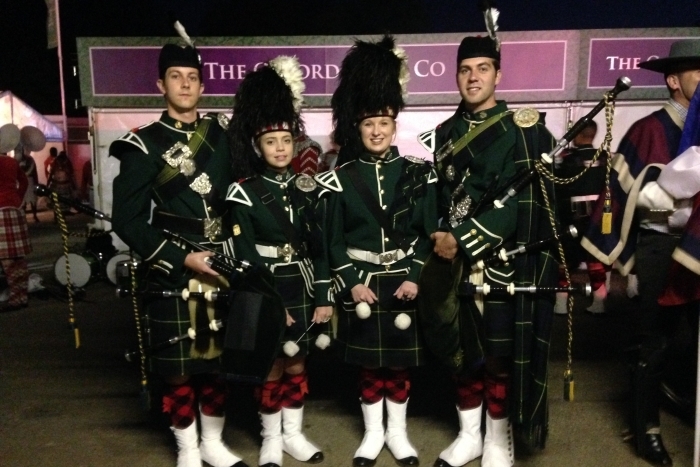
<point x="441" y="463"/>
<point x="269" y="464"/>
<point x="315" y="459"/>
<point x="410" y="460"/>
<point x="654" y="450"/>
<point x="363" y="462"/>
<point x="240" y="464"/>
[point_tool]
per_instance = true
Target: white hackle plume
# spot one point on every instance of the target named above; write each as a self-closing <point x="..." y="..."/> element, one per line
<point x="290" y="71"/>
<point x="181" y="31"/>
<point x="404" y="74"/>
<point x="491" y="19"/>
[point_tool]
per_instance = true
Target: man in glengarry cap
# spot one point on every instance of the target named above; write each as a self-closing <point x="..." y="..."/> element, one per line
<point x="180" y="163"/>
<point x="498" y="363"/>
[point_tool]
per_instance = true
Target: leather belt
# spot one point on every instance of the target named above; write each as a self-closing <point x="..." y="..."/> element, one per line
<point x="209" y="228"/>
<point x="272" y="251"/>
<point x="388" y="257"/>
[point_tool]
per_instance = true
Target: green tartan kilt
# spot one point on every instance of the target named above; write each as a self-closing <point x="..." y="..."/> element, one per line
<point x="291" y="286"/>
<point x="168" y="317"/>
<point x="497" y="325"/>
<point x="376" y="341"/>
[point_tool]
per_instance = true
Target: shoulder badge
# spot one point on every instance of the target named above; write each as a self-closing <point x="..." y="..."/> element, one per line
<point x="237" y="193"/>
<point x="415" y="160"/>
<point x="305" y="183"/>
<point x="526" y="117"/>
<point x="427" y="140"/>
<point x="329" y="180"/>
<point x="223" y="120"/>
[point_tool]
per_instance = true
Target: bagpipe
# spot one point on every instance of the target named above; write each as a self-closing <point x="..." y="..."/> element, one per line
<point x="443" y="284"/>
<point x="250" y="314"/>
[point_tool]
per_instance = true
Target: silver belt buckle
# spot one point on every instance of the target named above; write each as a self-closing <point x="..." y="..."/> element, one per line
<point x="388" y="257"/>
<point x="212" y="227"/>
<point x="285" y="252"/>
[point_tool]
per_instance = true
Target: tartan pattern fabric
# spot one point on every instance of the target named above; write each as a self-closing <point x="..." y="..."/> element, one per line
<point x="269" y="396"/>
<point x="295" y="388"/>
<point x="469" y="390"/>
<point x="14" y="236"/>
<point x="596" y="274"/>
<point x="397" y="384"/>
<point x="376" y="341"/>
<point x="496" y="395"/>
<point x="212" y="395"/>
<point x="179" y="403"/>
<point x="371" y="385"/>
<point x="168" y="317"/>
<point x="17" y="276"/>
<point x="290" y="284"/>
<point x="533" y="313"/>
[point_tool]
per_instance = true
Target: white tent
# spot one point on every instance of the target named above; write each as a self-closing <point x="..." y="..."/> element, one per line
<point x="15" y="110"/>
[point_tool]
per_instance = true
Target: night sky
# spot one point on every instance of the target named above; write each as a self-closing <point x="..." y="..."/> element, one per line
<point x="30" y="70"/>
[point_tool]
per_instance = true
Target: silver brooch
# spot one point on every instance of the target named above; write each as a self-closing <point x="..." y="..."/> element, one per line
<point x="450" y="172"/>
<point x="187" y="167"/>
<point x="201" y="184"/>
<point x="223" y="121"/>
<point x="175" y="155"/>
<point x="305" y="183"/>
<point x="460" y="210"/>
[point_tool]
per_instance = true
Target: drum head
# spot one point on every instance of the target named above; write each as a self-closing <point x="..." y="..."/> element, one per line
<point x="80" y="269"/>
<point x="112" y="266"/>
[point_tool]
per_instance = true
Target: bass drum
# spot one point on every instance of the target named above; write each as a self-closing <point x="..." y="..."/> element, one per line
<point x="111" y="269"/>
<point x="83" y="268"/>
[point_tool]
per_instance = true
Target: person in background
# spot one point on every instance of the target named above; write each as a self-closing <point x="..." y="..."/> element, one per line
<point x="28" y="165"/>
<point x="638" y="213"/>
<point x="62" y="179"/>
<point x="14" y="236"/>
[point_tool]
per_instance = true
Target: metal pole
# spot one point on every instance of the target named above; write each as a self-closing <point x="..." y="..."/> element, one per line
<point x="60" y="71"/>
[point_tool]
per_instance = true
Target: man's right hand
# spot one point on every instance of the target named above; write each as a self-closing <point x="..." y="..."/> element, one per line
<point x="196" y="261"/>
<point x="362" y="293"/>
<point x="445" y="245"/>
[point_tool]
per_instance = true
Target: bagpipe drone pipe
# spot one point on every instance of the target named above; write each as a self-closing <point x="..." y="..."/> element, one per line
<point x="253" y="320"/>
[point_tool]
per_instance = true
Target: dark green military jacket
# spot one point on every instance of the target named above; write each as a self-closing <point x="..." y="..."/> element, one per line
<point x="474" y="171"/>
<point x="140" y="183"/>
<point x="405" y="190"/>
<point x="255" y="227"/>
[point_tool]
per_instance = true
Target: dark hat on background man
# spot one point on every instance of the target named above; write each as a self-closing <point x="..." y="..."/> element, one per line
<point x="175" y="55"/>
<point x="684" y="55"/>
<point x="372" y="82"/>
